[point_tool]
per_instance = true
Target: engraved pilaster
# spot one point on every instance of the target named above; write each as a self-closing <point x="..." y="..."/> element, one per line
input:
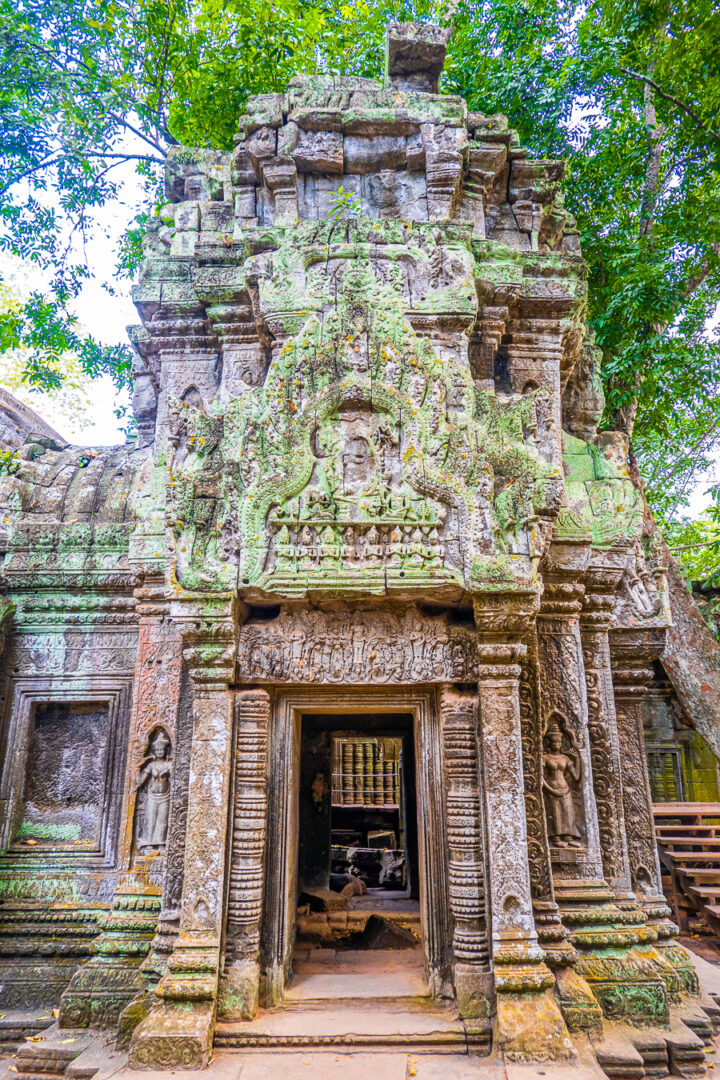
<point x="172" y="1034"/>
<point x="632" y="655"/>
<point x="239" y="986"/>
<point x="458" y="713"/>
<point x="518" y="960"/>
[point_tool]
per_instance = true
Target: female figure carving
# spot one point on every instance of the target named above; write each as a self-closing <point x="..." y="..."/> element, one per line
<point x="560" y="767"/>
<point x="154" y="778"/>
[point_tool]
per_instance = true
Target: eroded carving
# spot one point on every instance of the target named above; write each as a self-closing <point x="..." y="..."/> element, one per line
<point x="153" y="785"/>
<point x="389" y="646"/>
<point x="562" y="768"/>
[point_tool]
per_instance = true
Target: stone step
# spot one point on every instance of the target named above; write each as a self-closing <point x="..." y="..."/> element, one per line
<point x="686" y="1051"/>
<point x="17" y="1026"/>
<point x="652" y="1047"/>
<point x="49" y="1055"/>
<point x="619" y="1058"/>
<point x="711" y="1010"/>
<point x="99" y="1059"/>
<point x="351" y="974"/>
<point x="384" y="1024"/>
<point x="698" y="1021"/>
<point x="388" y="987"/>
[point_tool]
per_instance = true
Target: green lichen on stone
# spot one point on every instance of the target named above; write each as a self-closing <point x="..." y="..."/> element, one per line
<point x="366" y="461"/>
<point x="46" y="831"/>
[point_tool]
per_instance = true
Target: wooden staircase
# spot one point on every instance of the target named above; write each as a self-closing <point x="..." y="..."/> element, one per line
<point x="688" y="837"/>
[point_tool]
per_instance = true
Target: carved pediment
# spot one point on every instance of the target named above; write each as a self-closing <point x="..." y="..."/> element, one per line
<point x="381" y="492"/>
<point x="368" y="460"/>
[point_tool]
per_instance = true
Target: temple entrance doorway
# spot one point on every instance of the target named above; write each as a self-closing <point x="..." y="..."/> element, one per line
<point x="358" y="926"/>
<point x="313" y="730"/>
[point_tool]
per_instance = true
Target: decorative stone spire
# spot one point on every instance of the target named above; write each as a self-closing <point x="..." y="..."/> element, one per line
<point x="415" y="55"/>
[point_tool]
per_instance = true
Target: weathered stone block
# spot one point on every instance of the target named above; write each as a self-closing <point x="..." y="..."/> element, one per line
<point x="319" y="151"/>
<point x="415" y="56"/>
<point x="370" y="154"/>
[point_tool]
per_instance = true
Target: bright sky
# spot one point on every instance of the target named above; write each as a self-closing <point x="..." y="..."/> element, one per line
<point x="102" y="315"/>
<point x="106" y="318"/>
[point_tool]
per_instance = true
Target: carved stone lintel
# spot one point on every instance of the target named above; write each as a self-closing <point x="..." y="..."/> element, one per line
<point x="327" y="646"/>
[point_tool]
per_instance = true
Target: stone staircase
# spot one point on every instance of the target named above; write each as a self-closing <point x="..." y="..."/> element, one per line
<point x="49" y="1053"/>
<point x="16" y="1027"/>
<point x="349" y="1000"/>
<point x="632" y="1054"/>
<point x="688" y="837"/>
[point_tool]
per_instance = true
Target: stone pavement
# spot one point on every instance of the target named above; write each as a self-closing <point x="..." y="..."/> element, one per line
<point x="383" y="1064"/>
<point x="368" y="1066"/>
<point x="287" y="1065"/>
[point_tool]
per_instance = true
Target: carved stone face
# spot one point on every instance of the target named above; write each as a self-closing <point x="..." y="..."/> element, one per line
<point x="144" y="399"/>
<point x="160" y="746"/>
<point x="554" y="741"/>
<point x="358" y="462"/>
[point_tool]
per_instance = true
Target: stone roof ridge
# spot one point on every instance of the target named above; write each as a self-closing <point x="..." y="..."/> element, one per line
<point x="19" y="424"/>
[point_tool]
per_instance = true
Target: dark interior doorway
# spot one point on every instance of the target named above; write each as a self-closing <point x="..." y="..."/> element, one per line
<point x="358" y="813"/>
<point x="358" y="874"/>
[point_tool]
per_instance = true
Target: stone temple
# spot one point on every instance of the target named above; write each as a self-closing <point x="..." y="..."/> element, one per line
<point x="366" y="604"/>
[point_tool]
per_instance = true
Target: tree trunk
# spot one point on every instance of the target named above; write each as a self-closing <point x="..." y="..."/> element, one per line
<point x="652" y="169"/>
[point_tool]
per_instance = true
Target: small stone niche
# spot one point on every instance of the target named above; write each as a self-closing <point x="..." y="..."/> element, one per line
<point x="64" y="785"/>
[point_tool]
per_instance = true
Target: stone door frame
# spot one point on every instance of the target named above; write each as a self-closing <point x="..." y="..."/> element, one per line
<point x="289" y="705"/>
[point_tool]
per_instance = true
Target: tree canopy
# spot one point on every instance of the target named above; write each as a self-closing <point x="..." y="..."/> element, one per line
<point x="627" y="91"/>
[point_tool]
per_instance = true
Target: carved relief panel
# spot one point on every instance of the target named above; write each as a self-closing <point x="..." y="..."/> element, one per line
<point x="562" y="772"/>
<point x="63" y="769"/>
<point x="363" y="646"/>
<point x="65" y="776"/>
<point x="568" y="796"/>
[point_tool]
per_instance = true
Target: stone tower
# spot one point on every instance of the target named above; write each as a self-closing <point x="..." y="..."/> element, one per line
<point x="366" y="483"/>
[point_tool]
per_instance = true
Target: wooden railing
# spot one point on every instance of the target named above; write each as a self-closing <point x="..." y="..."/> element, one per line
<point x="688" y="836"/>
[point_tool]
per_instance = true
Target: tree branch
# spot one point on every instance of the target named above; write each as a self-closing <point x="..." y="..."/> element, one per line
<point x="675" y="101"/>
<point x="700" y="275"/>
<point x="125" y="157"/>
<point x="698" y="544"/>
<point x="145" y="138"/>
<point x="46" y="164"/>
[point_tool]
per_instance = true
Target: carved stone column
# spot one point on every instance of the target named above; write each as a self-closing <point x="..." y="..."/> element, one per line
<point x="633" y="653"/>
<point x="595" y="622"/>
<point x="577" y="1003"/>
<point x="106" y="984"/>
<point x="155" y="963"/>
<point x="471" y="966"/>
<point x="240" y="982"/>
<point x="179" y="1031"/>
<point x="622" y="982"/>
<point x="529" y="1025"/>
<point x="564" y="707"/>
